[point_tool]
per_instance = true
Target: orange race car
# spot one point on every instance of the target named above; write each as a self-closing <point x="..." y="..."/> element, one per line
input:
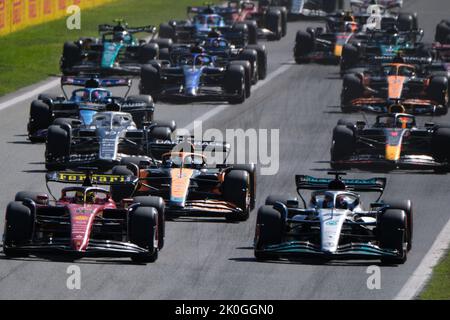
<point x="377" y="88"/>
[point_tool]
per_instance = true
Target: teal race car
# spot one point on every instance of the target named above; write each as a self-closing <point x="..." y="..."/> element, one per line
<point x="117" y="52"/>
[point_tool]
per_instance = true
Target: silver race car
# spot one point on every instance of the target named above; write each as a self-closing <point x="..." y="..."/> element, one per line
<point x="334" y="224"/>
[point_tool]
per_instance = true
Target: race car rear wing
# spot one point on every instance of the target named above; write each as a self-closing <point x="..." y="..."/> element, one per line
<point x="89" y="178"/>
<point x="216" y="9"/>
<point x="110" y="28"/>
<point x="94" y="81"/>
<point x="304" y="182"/>
<point x="187" y="144"/>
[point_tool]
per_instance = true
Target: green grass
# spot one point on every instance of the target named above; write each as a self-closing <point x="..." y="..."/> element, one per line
<point x="33" y="54"/>
<point x="439" y="286"/>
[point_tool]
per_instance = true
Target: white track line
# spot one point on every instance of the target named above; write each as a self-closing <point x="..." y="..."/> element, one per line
<point x="218" y="109"/>
<point x="421" y="275"/>
<point x="30" y="94"/>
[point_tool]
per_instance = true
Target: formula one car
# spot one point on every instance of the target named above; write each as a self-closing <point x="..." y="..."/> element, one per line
<point x="84" y="221"/>
<point x="442" y="34"/>
<point x="394" y="141"/>
<point x="377" y="88"/>
<point x="192" y="188"/>
<point x="325" y="46"/>
<point x="197" y="77"/>
<point x="205" y="20"/>
<point x="118" y="52"/>
<point x="108" y="138"/>
<point x="84" y="103"/>
<point x="334" y="224"/>
<point x="377" y="46"/>
<point x="263" y="19"/>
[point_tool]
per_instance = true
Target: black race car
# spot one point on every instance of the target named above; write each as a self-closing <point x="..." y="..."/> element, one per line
<point x="394" y="141"/>
<point x="118" y="52"/>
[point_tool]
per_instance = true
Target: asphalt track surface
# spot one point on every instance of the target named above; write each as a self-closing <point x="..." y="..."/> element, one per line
<point x="214" y="260"/>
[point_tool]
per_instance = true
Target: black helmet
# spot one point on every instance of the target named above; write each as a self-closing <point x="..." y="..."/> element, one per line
<point x="197" y="49"/>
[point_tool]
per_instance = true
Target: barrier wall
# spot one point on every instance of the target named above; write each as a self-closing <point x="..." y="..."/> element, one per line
<point x="18" y="14"/>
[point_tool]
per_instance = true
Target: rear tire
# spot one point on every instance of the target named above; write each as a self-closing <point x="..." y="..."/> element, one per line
<point x="304" y="44"/>
<point x="40" y="118"/>
<point x="252" y="32"/>
<point x="262" y="60"/>
<point x="440" y="144"/>
<point x="274" y="24"/>
<point x="71" y="56"/>
<point x="58" y="146"/>
<point x="438" y="90"/>
<point x="235" y="84"/>
<point x="148" y="52"/>
<point x="343" y="143"/>
<point x="167" y="31"/>
<point x="248" y="75"/>
<point x="150" y="80"/>
<point x="121" y="191"/>
<point x="352" y="88"/>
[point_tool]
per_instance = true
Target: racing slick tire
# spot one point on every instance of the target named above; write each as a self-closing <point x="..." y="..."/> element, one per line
<point x="438" y="91"/>
<point x="58" y="145"/>
<point x="262" y="60"/>
<point x="161" y="133"/>
<point x="234" y="84"/>
<point x="236" y="189"/>
<point x="284" y="19"/>
<point x="19" y="222"/>
<point x="40" y="118"/>
<point x="121" y="191"/>
<point x="150" y="80"/>
<point x="71" y="57"/>
<point x="352" y="88"/>
<point x="251" y="169"/>
<point x="275" y="24"/>
<point x="148" y="52"/>
<point x="407" y="21"/>
<point x="251" y="56"/>
<point x="163" y="43"/>
<point x="47" y="97"/>
<point x="252" y="31"/>
<point x="304" y="44"/>
<point x="164" y="54"/>
<point x="170" y="124"/>
<point x="167" y="31"/>
<point x="143" y="231"/>
<point x="159" y="205"/>
<point x="23" y="195"/>
<point x="240" y="28"/>
<point x="440" y="144"/>
<point x="442" y="32"/>
<point x="392" y="235"/>
<point x="269" y="231"/>
<point x="406" y="206"/>
<point x="248" y="75"/>
<point x="141" y="117"/>
<point x="342" y="146"/>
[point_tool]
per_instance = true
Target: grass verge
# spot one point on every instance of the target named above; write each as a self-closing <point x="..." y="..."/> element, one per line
<point x="439" y="286"/>
<point x="33" y="54"/>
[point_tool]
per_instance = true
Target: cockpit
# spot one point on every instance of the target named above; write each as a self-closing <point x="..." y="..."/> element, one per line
<point x="216" y="44"/>
<point x="195" y="60"/>
<point x="401" y="121"/>
<point x="90" y="95"/>
<point x="83" y="195"/>
<point x="209" y="20"/>
<point x="113" y="120"/>
<point x="183" y="160"/>
<point x="336" y="200"/>
<point x="404" y="70"/>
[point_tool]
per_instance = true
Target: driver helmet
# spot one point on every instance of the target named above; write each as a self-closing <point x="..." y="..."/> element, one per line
<point x="86" y="95"/>
<point x="79" y="197"/>
<point x="198" y="49"/>
<point x="96" y="95"/>
<point x="119" y="36"/>
<point x="90" y="197"/>
<point x="341" y="202"/>
<point x="398" y="58"/>
<point x="327" y="202"/>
